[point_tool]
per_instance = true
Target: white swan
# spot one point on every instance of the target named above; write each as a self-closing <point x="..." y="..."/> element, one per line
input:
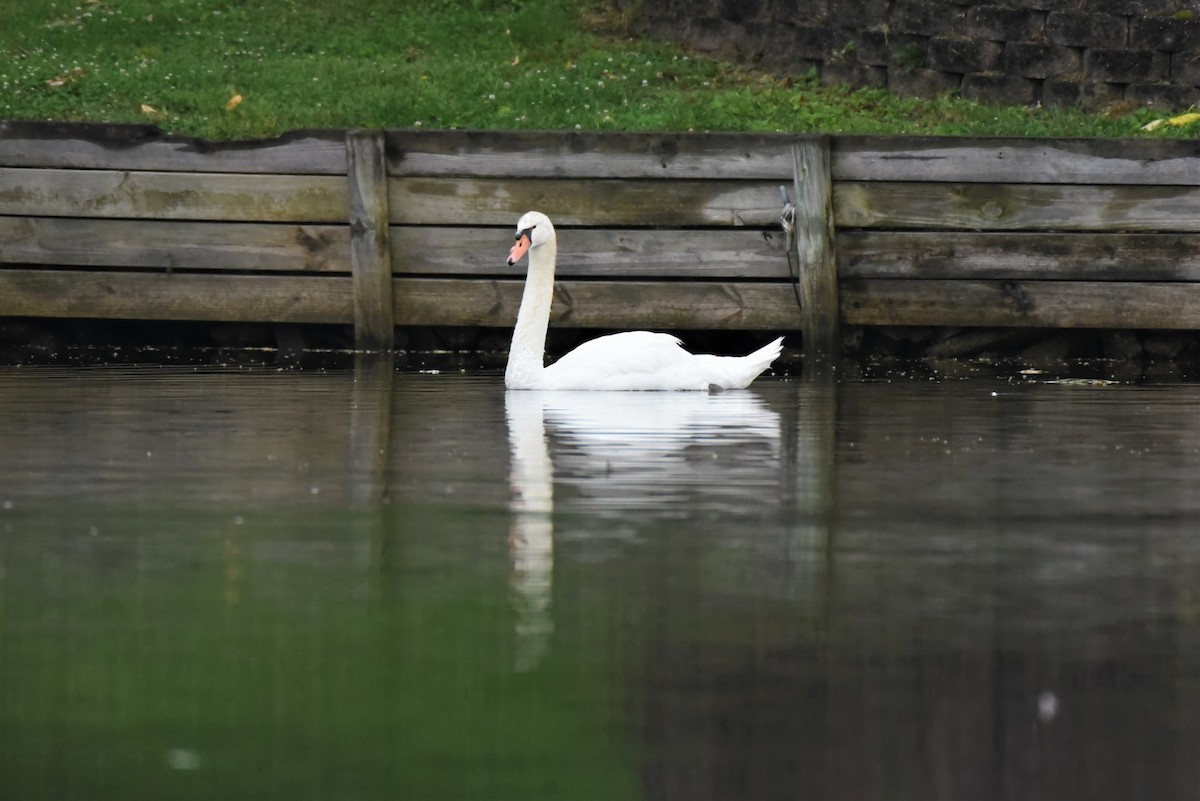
<point x="629" y="360"/>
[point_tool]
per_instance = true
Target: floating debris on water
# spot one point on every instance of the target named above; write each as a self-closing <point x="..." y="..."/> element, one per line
<point x="183" y="759"/>
<point x="1047" y="705"/>
<point x="1084" y="382"/>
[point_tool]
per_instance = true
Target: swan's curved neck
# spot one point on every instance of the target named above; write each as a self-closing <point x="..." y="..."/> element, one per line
<point x="528" y="349"/>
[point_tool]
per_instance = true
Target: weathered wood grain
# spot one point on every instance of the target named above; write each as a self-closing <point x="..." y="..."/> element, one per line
<point x="1004" y="160"/>
<point x="1047" y="304"/>
<point x="542" y="154"/>
<point x="173" y="195"/>
<point x="819" y="313"/>
<point x="601" y="304"/>
<point x="552" y="154"/>
<point x="158" y="296"/>
<point x="733" y="253"/>
<point x="174" y="245"/>
<point x="600" y="202"/>
<point x="1007" y="207"/>
<point x="656" y="230"/>
<point x="144" y="147"/>
<point x="370" y="251"/>
<point x="609" y="155"/>
<point x="982" y="255"/>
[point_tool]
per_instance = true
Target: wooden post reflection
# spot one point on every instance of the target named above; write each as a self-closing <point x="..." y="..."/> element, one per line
<point x="816" y="480"/>
<point x="369" y="441"/>
<point x="370" y="418"/>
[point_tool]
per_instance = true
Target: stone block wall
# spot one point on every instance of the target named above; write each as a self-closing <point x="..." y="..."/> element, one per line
<point x="1058" y="52"/>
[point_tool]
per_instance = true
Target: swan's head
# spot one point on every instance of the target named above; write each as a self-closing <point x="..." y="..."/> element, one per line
<point x="534" y="229"/>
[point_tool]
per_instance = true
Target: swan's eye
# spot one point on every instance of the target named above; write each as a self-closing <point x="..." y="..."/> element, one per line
<point x="527" y="232"/>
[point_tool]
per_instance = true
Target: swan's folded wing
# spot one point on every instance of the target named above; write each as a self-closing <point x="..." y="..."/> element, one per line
<point x="627" y="352"/>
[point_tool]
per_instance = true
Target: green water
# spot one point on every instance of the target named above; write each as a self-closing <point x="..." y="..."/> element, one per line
<point x="254" y="584"/>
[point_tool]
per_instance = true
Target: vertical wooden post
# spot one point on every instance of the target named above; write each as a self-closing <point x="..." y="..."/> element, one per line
<point x="370" y="251"/>
<point x="819" y="312"/>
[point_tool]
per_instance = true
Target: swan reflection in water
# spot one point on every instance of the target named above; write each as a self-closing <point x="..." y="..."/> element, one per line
<point x="660" y="455"/>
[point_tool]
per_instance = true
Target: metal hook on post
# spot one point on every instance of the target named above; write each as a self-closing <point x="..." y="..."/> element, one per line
<point x="788" y="218"/>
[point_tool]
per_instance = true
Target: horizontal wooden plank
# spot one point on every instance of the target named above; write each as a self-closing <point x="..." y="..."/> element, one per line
<point x="427" y="250"/>
<point x="597" y="253"/>
<point x="768" y="157"/>
<point x="418" y="301"/>
<point x="144" y="147"/>
<point x="1008" y="207"/>
<point x="601" y="202"/>
<point x="609" y="155"/>
<point x="159" y="296"/>
<point x="1025" y="160"/>
<point x="983" y="255"/>
<point x="582" y="154"/>
<point x="69" y="241"/>
<point x="601" y="304"/>
<point x="1046" y="304"/>
<point x="173" y="195"/>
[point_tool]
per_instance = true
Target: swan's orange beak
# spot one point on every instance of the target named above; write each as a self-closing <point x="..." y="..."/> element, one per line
<point x="520" y="249"/>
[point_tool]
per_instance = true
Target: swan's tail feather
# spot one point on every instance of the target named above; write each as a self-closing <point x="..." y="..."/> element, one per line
<point x="751" y="366"/>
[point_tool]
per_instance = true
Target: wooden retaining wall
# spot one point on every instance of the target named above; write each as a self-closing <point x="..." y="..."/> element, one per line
<point x="665" y="231"/>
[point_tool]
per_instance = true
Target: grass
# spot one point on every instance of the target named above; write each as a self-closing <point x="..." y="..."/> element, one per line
<point x="252" y="68"/>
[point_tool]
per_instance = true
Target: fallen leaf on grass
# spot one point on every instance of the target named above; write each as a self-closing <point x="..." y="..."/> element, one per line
<point x="1179" y="121"/>
<point x="234" y="102"/>
<point x="67" y="77"/>
<point x="153" y="113"/>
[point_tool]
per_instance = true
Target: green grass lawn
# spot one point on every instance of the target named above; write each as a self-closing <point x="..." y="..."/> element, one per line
<point x="253" y="68"/>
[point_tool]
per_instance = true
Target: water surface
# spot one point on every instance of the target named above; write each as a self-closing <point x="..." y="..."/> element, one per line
<point x="364" y="584"/>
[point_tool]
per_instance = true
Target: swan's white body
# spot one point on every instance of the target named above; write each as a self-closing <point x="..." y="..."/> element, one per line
<point x="633" y="360"/>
